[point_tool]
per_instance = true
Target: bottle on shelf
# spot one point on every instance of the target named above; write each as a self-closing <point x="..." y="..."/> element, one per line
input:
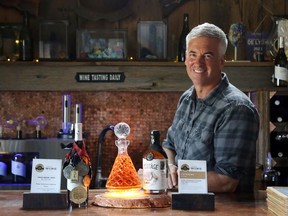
<point x="18" y="168"/>
<point x="182" y="39"/>
<point x="38" y="132"/>
<point x="77" y="171"/>
<point x="25" y="40"/>
<point x="270" y="176"/>
<point x="280" y="66"/>
<point x="155" y="166"/>
<point x="18" y="132"/>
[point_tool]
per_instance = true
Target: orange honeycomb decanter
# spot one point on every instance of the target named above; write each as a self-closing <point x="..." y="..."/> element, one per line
<point x="123" y="176"/>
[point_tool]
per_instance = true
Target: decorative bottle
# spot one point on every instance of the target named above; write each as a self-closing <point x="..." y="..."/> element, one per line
<point x="155" y="167"/>
<point x="182" y="40"/>
<point x="77" y="171"/>
<point x="270" y="177"/>
<point x="123" y="176"/>
<point x="280" y="66"/>
<point x="25" y="40"/>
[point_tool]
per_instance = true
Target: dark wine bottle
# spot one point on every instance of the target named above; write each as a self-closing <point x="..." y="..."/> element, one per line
<point x="182" y="39"/>
<point x="155" y="167"/>
<point x="25" y="40"/>
<point x="155" y="142"/>
<point x="79" y="173"/>
<point x="270" y="176"/>
<point x="280" y="66"/>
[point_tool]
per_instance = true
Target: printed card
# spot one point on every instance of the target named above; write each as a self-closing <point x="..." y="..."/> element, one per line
<point x="192" y="176"/>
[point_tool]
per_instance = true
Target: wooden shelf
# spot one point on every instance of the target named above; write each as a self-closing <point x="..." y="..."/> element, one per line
<point x="139" y="76"/>
<point x="129" y="63"/>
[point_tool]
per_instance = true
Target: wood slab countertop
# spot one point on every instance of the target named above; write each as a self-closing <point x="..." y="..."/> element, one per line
<point x="11" y="203"/>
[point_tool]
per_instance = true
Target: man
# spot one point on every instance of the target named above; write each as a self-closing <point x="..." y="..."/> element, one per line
<point x="214" y="120"/>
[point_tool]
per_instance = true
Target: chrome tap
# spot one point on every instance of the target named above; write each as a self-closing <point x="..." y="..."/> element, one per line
<point x="99" y="179"/>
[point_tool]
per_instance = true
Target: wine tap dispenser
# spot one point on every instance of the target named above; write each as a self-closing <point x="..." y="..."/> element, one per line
<point x="66" y="104"/>
<point x="66" y="130"/>
<point x="78" y="113"/>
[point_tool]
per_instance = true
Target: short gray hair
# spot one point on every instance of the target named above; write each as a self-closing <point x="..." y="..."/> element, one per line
<point x="208" y="30"/>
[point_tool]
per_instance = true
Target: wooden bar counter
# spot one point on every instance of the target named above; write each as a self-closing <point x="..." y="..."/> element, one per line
<point x="11" y="203"/>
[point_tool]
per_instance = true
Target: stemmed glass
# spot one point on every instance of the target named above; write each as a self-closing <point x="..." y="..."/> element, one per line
<point x="235" y="36"/>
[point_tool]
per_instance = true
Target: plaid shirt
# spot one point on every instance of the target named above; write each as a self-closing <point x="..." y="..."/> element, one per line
<point x="221" y="129"/>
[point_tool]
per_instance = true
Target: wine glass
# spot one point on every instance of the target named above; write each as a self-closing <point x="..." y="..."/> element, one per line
<point x="235" y="36"/>
<point x="10" y="122"/>
<point x="38" y="121"/>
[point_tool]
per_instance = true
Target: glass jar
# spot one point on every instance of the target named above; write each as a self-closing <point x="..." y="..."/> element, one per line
<point x="279" y="29"/>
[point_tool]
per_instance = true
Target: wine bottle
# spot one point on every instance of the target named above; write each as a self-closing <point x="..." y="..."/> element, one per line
<point x="18" y="132"/>
<point x="280" y="66"/>
<point x="18" y="168"/>
<point x="155" y="167"/>
<point x="25" y="40"/>
<point x="77" y="170"/>
<point x="182" y="40"/>
<point x="3" y="171"/>
<point x="3" y="168"/>
<point x="270" y="176"/>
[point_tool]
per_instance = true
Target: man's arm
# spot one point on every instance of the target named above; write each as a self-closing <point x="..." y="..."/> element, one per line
<point x="221" y="183"/>
<point x="216" y="182"/>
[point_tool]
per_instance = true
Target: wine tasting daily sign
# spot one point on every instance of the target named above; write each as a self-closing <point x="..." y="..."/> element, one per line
<point x="106" y="77"/>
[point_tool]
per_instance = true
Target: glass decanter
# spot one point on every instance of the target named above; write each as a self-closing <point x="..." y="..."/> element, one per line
<point x="123" y="176"/>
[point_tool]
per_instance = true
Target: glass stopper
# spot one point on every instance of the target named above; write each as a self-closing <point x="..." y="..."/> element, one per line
<point x="122" y="130"/>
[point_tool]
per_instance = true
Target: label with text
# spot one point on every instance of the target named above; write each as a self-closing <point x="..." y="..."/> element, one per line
<point x="100" y="77"/>
<point x="192" y="176"/>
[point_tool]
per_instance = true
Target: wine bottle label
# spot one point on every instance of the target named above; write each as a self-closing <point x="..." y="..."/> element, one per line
<point x="149" y="156"/>
<point x="71" y="185"/>
<point x="78" y="132"/>
<point x="78" y="195"/>
<point x="281" y="73"/>
<point x="74" y="176"/>
<point x="155" y="174"/>
<point x="18" y="168"/>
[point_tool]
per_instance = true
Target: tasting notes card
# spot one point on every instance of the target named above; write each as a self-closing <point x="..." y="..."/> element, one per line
<point x="46" y="175"/>
<point x="192" y="176"/>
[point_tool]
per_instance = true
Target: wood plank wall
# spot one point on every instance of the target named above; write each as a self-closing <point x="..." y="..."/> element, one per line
<point x="255" y="14"/>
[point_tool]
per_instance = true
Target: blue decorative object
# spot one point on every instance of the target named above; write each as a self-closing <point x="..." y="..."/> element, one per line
<point x="235" y="36"/>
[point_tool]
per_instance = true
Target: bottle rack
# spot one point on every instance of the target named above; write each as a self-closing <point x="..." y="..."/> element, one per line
<point x="279" y="136"/>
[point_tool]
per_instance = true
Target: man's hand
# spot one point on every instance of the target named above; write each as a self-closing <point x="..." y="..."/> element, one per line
<point x="172" y="176"/>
